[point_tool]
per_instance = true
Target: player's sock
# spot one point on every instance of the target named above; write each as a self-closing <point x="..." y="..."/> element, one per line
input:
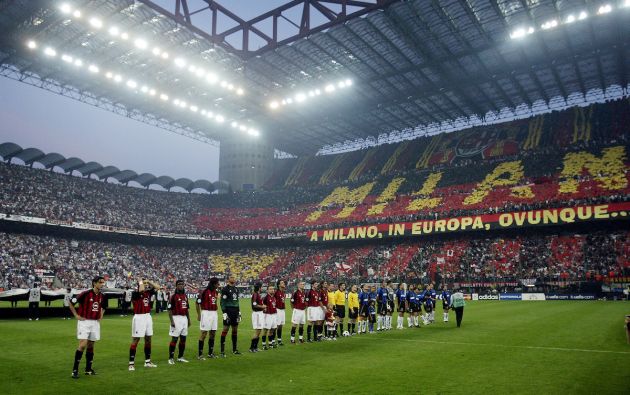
<point x="293" y="333"/>
<point x="78" y="354"/>
<point x="301" y="333"/>
<point x="171" y="348"/>
<point x="253" y="345"/>
<point x="371" y="326"/>
<point x="279" y="334"/>
<point x="147" y="351"/>
<point x="315" y="332"/>
<point x="264" y="338"/>
<point x="200" y="348"/>
<point x="89" y="357"/>
<point x="379" y="322"/>
<point x="415" y="320"/>
<point x="223" y="334"/>
<point x="309" y="328"/>
<point x="272" y="340"/>
<point x="132" y="353"/>
<point x="234" y="339"/>
<point x="211" y="344"/>
<point x="182" y="347"/>
<point x="409" y="322"/>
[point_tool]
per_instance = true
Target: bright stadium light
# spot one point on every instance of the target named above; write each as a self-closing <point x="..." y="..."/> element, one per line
<point x="109" y="75"/>
<point x="194" y="108"/>
<point x="152" y="92"/>
<point x="50" y="52"/>
<point x="114" y="31"/>
<point x="626" y="4"/>
<point x="93" y="69"/>
<point x="234" y="124"/>
<point x="117" y="78"/>
<point x="240" y="91"/>
<point x="31" y="44"/>
<point x="242" y="128"/>
<point x="176" y="102"/>
<point x="163" y="96"/>
<point x="144" y="89"/>
<point x="348" y="82"/>
<point x="219" y="118"/>
<point x="67" y="58"/>
<point x="253" y="132"/>
<point x="76" y="14"/>
<point x="65" y="8"/>
<point x="96" y="23"/>
<point x="329" y="88"/>
<point x="179" y="62"/>
<point x="549" y="24"/>
<point x="583" y="15"/>
<point x="300" y="97"/>
<point x="570" y="19"/>
<point x="132" y="84"/>
<point x="317" y="92"/>
<point x="604" y="9"/>
<point x="273" y="105"/>
<point x="140" y="43"/>
<point x="124" y="36"/>
<point x="78" y="62"/>
<point x="212" y="78"/>
<point x="156" y="51"/>
<point x="341" y="84"/>
<point x="164" y="55"/>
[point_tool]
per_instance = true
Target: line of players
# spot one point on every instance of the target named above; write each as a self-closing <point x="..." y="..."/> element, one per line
<point x="322" y="309"/>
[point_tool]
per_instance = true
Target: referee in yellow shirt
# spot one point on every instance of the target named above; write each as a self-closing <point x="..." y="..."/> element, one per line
<point x="353" y="309"/>
<point x="339" y="299"/>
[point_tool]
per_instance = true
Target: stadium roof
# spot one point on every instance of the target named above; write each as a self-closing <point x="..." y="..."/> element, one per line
<point x="29" y="156"/>
<point x="412" y="64"/>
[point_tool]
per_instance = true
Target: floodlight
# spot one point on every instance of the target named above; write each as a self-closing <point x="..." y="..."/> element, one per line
<point x="76" y="14"/>
<point x="179" y="62"/>
<point x="300" y="97"/>
<point x="341" y="84"/>
<point x="67" y="58"/>
<point x="114" y="31"/>
<point x="156" y="51"/>
<point x="31" y="44"/>
<point x="273" y="105"/>
<point x="212" y="78"/>
<point x="117" y="78"/>
<point x="78" y="62"/>
<point x="109" y="74"/>
<point x="93" y="68"/>
<point x="604" y="9"/>
<point x="65" y="8"/>
<point x="152" y="92"/>
<point x="96" y="23"/>
<point x="163" y="97"/>
<point x="234" y="124"/>
<point x="253" y="132"/>
<point x="144" y="89"/>
<point x="140" y="43"/>
<point x="348" y="82"/>
<point x="132" y="84"/>
<point x="583" y="15"/>
<point x="194" y="108"/>
<point x="50" y="52"/>
<point x="570" y="19"/>
<point x="240" y="91"/>
<point x="549" y="24"/>
<point x="176" y="102"/>
<point x="164" y="55"/>
<point x="219" y="118"/>
<point x="243" y="128"/>
<point x="329" y="88"/>
<point x="124" y="36"/>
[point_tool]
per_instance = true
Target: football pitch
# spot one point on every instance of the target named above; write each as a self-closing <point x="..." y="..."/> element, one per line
<point x="503" y="347"/>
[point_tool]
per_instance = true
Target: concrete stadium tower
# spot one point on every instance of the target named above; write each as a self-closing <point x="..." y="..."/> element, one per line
<point x="245" y="162"/>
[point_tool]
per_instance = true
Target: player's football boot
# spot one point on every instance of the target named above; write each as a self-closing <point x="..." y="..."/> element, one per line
<point x="132" y="367"/>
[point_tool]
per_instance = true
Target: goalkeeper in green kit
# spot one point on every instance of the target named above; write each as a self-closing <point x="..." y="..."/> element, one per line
<point x="231" y="314"/>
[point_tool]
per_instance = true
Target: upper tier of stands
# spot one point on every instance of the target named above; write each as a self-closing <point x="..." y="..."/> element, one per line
<point x="574" y="156"/>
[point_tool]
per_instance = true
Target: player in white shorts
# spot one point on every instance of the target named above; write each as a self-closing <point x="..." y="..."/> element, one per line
<point x="270" y="312"/>
<point x="180" y="321"/>
<point x="298" y="315"/>
<point x="281" y="314"/>
<point x="207" y="316"/>
<point x="258" y="318"/>
<point x="142" y="323"/>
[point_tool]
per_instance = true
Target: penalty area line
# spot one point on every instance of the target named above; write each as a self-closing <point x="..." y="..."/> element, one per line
<point x="513" y="346"/>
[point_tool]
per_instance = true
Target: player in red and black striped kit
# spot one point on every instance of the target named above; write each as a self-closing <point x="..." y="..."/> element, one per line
<point x="270" y="311"/>
<point x="298" y="316"/>
<point x="207" y="316"/>
<point x="280" y="295"/>
<point x="89" y="314"/>
<point x="314" y="311"/>
<point x="180" y="321"/>
<point x="142" y="323"/>
<point x="323" y="304"/>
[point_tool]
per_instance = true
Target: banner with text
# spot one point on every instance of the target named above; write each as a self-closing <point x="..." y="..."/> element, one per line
<point x="486" y="222"/>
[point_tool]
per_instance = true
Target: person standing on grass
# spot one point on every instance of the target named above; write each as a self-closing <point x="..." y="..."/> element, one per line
<point x="231" y="314"/>
<point x="339" y="300"/>
<point x="364" y="307"/>
<point x="353" y="309"/>
<point x="312" y="300"/>
<point x="628" y="328"/>
<point x="298" y="315"/>
<point x="34" y="297"/>
<point x="446" y="297"/>
<point x="270" y="312"/>
<point x="258" y="317"/>
<point x="67" y="299"/>
<point x="207" y="306"/>
<point x="401" y="301"/>
<point x="142" y="323"/>
<point x="381" y="306"/>
<point x="411" y="303"/>
<point x="458" y="303"/>
<point x="280" y="307"/>
<point x="89" y="314"/>
<point x="180" y="321"/>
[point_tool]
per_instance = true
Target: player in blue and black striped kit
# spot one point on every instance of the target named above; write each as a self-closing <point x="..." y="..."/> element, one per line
<point x="401" y="300"/>
<point x="381" y="306"/>
<point x="446" y="300"/>
<point x="412" y="319"/>
<point x="432" y="295"/>
<point x="364" y="304"/>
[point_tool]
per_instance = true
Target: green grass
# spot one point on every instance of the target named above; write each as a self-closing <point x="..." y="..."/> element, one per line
<point x="502" y="348"/>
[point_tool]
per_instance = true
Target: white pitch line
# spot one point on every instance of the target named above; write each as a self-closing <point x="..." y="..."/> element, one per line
<point x="512" y="346"/>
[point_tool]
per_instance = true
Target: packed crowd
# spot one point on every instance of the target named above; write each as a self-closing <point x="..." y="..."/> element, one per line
<point x="545" y="258"/>
<point x="290" y="208"/>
